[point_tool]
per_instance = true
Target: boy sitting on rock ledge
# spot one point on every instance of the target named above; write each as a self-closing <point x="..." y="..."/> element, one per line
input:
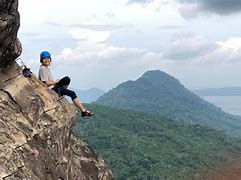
<point x="59" y="86"/>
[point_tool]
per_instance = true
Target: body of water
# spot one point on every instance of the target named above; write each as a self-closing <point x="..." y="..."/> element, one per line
<point x="229" y="104"/>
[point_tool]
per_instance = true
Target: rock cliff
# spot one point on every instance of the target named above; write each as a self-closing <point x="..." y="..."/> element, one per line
<point x="10" y="47"/>
<point x="36" y="140"/>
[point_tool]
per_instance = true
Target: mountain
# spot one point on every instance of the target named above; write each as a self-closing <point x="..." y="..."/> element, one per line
<point x="89" y="95"/>
<point x="140" y="145"/>
<point x="158" y="92"/>
<point x="226" y="91"/>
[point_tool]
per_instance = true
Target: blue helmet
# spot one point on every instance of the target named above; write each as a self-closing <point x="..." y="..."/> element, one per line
<point x="45" y="54"/>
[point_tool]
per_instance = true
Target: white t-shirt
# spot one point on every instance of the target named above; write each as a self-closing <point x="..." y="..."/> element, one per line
<point x="44" y="74"/>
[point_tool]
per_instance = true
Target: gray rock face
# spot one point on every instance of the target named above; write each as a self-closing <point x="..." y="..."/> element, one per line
<point x="10" y="46"/>
<point x="36" y="140"/>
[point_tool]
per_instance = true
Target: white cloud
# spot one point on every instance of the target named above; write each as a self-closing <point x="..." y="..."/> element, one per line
<point x="186" y="45"/>
<point x="140" y="1"/>
<point x="226" y="52"/>
<point x="103" y="66"/>
<point x="67" y="52"/>
<point x="233" y="44"/>
<point x="89" y="35"/>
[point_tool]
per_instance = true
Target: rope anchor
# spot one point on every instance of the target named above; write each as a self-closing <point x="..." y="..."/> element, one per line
<point x="26" y="71"/>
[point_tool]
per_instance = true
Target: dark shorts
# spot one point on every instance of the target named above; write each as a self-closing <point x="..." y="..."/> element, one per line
<point x="58" y="88"/>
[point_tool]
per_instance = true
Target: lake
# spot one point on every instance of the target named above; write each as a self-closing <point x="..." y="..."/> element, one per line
<point x="229" y="104"/>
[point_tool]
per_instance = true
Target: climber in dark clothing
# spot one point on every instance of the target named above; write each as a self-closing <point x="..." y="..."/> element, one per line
<point x="59" y="86"/>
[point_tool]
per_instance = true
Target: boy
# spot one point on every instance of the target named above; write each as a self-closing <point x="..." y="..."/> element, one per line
<point x="59" y="86"/>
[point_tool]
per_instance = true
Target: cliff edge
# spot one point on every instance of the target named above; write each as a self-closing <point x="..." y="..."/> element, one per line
<point x="36" y="140"/>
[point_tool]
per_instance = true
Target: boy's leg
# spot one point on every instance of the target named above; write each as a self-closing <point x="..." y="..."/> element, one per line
<point x="77" y="103"/>
<point x="75" y="99"/>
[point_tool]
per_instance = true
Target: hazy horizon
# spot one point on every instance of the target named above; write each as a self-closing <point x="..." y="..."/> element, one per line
<point x="229" y="104"/>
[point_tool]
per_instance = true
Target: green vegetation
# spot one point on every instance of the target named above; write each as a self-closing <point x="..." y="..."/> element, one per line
<point x="158" y="92"/>
<point x="139" y="145"/>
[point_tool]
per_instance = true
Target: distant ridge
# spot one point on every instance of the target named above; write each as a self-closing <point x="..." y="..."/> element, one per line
<point x="158" y="92"/>
<point x="89" y="95"/>
<point x="225" y="91"/>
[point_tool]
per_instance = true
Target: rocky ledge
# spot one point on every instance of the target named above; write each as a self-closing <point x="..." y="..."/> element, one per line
<point x="36" y="140"/>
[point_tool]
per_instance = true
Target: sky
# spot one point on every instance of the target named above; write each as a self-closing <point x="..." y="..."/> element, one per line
<point x="101" y="44"/>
